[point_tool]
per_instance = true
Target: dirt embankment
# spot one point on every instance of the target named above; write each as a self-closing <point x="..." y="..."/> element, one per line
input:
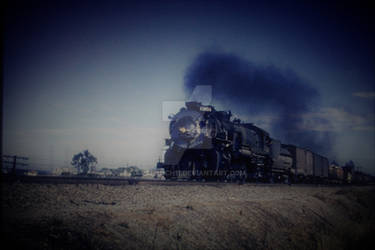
<point x="146" y="216"/>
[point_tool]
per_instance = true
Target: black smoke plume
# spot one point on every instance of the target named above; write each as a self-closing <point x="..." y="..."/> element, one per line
<point x="254" y="89"/>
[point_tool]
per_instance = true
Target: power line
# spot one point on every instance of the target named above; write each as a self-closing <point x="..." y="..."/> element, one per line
<point x="18" y="157"/>
<point x="14" y="162"/>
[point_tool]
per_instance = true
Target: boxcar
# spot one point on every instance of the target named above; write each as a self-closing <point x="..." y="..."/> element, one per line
<point x="302" y="161"/>
<point x="320" y="166"/>
<point x="336" y="173"/>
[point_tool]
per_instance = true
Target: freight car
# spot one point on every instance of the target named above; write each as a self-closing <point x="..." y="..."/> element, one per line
<point x="207" y="144"/>
<point x="340" y="175"/>
<point x="336" y="174"/>
<point x="307" y="165"/>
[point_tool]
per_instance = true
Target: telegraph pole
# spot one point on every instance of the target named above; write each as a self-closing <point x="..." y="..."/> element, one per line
<point x="1" y="88"/>
<point x="14" y="162"/>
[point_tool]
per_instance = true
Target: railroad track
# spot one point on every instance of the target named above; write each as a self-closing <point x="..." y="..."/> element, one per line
<point x="109" y="181"/>
<point x="72" y="180"/>
<point x="128" y="181"/>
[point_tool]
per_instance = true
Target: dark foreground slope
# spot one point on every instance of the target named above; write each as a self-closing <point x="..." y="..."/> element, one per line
<point x="145" y="216"/>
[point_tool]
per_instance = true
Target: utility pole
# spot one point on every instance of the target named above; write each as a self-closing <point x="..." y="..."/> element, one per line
<point x="14" y="163"/>
<point x="1" y="96"/>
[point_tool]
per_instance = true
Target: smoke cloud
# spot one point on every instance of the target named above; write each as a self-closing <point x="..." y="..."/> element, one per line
<point x="251" y="89"/>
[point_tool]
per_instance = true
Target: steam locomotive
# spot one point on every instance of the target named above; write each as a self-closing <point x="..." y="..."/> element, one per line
<point x="206" y="144"/>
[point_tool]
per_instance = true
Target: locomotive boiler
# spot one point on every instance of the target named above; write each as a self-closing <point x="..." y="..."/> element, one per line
<point x="208" y="144"/>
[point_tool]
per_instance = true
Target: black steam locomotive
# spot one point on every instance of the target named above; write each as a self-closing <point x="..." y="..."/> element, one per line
<point x="207" y="144"/>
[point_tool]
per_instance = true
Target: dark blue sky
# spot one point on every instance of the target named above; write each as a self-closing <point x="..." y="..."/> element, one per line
<point x="94" y="74"/>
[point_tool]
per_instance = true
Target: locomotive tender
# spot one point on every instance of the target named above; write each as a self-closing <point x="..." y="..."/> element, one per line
<point x="207" y="144"/>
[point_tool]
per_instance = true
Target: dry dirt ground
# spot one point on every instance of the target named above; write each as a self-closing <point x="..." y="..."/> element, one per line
<point x="205" y="216"/>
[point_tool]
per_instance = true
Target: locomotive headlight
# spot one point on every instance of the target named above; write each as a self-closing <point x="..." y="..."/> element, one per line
<point x="191" y="129"/>
<point x="182" y="129"/>
<point x="185" y="129"/>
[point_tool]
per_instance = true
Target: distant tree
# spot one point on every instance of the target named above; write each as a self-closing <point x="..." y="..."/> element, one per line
<point x="85" y="162"/>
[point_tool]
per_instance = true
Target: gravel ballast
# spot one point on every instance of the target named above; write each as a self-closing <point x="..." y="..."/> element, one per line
<point x="202" y="216"/>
